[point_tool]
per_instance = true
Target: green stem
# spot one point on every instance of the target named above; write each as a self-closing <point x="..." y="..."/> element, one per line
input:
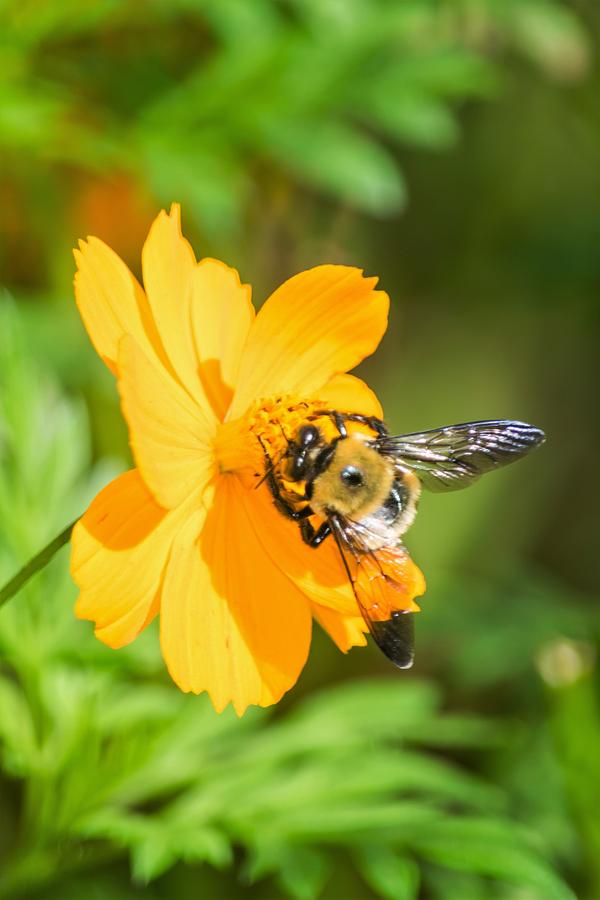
<point x="38" y="562"/>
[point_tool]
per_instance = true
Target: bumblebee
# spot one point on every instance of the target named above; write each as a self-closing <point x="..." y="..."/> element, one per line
<point x="363" y="485"/>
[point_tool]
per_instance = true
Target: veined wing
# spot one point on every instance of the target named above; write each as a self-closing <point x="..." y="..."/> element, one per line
<point x="455" y="456"/>
<point x="385" y="583"/>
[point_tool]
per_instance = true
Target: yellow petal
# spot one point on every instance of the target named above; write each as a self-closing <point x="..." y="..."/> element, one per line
<point x="169" y="433"/>
<point x="111" y="302"/>
<point x="318" y="572"/>
<point x="231" y="622"/>
<point x="222" y="314"/>
<point x="119" y="550"/>
<point x="319" y="323"/>
<point x="345" y="631"/>
<point x="347" y="393"/>
<point x="169" y="264"/>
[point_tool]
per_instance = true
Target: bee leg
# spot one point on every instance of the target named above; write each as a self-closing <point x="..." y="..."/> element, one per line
<point x="339" y="419"/>
<point x="311" y="536"/>
<point x="371" y="421"/>
<point x="340" y="423"/>
<point x="282" y="505"/>
<point x="378" y="426"/>
<point x="284" y="508"/>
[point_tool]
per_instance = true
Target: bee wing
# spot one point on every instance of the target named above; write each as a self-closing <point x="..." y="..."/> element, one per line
<point x="383" y="582"/>
<point x="446" y="459"/>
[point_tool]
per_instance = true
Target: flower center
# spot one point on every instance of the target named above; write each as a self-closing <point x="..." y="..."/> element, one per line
<point x="266" y="429"/>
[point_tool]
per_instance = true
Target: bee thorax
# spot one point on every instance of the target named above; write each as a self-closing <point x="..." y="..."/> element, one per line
<point x="355" y="482"/>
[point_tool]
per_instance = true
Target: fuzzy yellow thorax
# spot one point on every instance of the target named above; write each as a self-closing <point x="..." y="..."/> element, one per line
<point x="376" y="473"/>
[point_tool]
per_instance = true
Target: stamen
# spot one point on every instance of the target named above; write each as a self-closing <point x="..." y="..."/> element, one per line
<point x="269" y="423"/>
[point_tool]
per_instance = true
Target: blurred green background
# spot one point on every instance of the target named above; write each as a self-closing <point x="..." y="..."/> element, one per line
<point x="453" y="148"/>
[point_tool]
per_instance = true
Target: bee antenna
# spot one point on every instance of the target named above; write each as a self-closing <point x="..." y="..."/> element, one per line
<point x="285" y="437"/>
<point x="270" y="467"/>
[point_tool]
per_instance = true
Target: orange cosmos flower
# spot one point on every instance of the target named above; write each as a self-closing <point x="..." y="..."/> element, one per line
<point x="187" y="533"/>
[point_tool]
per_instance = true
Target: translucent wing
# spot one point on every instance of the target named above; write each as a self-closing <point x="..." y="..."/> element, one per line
<point x="384" y="583"/>
<point x="455" y="456"/>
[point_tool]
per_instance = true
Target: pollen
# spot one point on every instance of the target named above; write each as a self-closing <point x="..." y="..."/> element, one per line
<point x="268" y="427"/>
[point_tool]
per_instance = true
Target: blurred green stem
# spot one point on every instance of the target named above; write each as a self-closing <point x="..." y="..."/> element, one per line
<point x="39" y="868"/>
<point x="38" y="562"/>
<point x="576" y="721"/>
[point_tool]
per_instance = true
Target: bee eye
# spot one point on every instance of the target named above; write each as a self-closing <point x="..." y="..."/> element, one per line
<point x="308" y="435"/>
<point x="352" y="476"/>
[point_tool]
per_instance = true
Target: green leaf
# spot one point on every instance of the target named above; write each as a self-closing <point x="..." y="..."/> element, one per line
<point x="27" y="118"/>
<point x="340" y="160"/>
<point x="202" y="845"/>
<point x="152" y="856"/>
<point x="349" y="823"/>
<point x="383" y="708"/>
<point x="553" y="36"/>
<point x="40" y="23"/>
<point x="124" y="828"/>
<point x="450" y="72"/>
<point x="416" y="119"/>
<point x="390" y="875"/>
<point x="205" y="175"/>
<point x="17" y="731"/>
<point x="302" y="872"/>
<point x="490" y="847"/>
<point x="156" y="844"/>
<point x="126" y="710"/>
<point x="418" y="774"/>
<point x="234" y="20"/>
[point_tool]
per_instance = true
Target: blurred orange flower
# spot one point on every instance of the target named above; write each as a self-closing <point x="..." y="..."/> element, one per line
<point x="186" y="533"/>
